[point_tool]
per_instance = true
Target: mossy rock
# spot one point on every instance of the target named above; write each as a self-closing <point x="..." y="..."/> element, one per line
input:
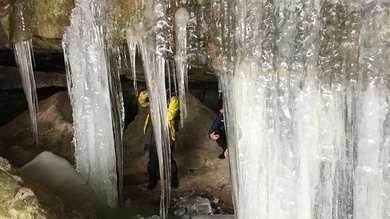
<point x="17" y="200"/>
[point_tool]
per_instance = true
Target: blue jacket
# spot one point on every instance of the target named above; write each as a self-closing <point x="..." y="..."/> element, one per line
<point x="218" y="124"/>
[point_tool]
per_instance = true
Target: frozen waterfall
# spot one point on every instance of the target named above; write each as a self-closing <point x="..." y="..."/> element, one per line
<point x="306" y="98"/>
<point x="307" y="107"/>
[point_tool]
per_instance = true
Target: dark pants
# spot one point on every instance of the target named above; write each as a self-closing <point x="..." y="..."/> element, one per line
<point x="153" y="166"/>
<point x="221" y="141"/>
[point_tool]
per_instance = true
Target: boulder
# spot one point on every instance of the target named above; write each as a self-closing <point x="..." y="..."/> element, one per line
<point x="55" y="132"/>
<point x="25" y="199"/>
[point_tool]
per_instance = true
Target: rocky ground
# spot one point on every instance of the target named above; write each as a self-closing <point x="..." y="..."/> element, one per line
<point x="212" y="183"/>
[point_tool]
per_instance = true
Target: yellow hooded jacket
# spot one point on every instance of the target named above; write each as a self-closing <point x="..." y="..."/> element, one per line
<point x="173" y="111"/>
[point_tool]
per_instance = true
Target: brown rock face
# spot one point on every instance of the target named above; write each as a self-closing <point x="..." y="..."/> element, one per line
<point x="52" y="17"/>
<point x="55" y="132"/>
<point x="5" y="12"/>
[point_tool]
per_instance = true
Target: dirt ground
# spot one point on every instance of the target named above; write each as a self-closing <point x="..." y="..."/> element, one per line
<point x="209" y="182"/>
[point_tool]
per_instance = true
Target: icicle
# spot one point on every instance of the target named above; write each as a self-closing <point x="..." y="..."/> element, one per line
<point x="24" y="57"/>
<point x="175" y="80"/>
<point x="168" y="73"/>
<point x="155" y="80"/>
<point x="133" y="52"/>
<point x="114" y="66"/>
<point x="22" y="24"/>
<point x="89" y="91"/>
<point x="134" y="34"/>
<point x="181" y="19"/>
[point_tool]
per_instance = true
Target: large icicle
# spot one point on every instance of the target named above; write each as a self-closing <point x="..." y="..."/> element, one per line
<point x="118" y="111"/>
<point x="155" y="75"/>
<point x="181" y="19"/>
<point x="87" y="72"/>
<point x="132" y="40"/>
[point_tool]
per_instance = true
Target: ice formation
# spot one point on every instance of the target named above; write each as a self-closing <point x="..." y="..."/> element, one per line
<point x="89" y="84"/>
<point x="306" y="98"/>
<point x="22" y="23"/>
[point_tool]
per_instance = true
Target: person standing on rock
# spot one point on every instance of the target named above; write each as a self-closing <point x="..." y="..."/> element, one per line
<point x="149" y="140"/>
<point x="217" y="131"/>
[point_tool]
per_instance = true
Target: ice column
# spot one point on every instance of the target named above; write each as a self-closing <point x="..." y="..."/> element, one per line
<point x="307" y="108"/>
<point x="132" y="42"/>
<point x="88" y="87"/>
<point x="371" y="175"/>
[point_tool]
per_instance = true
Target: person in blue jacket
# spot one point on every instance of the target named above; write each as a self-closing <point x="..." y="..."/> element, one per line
<point x="217" y="131"/>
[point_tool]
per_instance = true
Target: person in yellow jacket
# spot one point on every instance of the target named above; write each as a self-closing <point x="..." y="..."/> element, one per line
<point x="149" y="140"/>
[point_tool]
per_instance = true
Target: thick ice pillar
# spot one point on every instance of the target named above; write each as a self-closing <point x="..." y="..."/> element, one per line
<point x="87" y="72"/>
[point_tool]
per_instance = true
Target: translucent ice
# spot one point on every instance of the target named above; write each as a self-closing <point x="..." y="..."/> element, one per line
<point x="89" y="91"/>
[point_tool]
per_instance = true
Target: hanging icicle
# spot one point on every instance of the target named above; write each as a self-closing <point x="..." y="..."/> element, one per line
<point x="22" y="21"/>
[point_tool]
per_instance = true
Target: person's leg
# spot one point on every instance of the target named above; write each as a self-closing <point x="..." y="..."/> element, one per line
<point x="221" y="141"/>
<point x="174" y="179"/>
<point x="152" y="169"/>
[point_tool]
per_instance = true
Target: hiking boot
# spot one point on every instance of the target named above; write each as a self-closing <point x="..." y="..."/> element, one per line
<point x="151" y="185"/>
<point x="221" y="156"/>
